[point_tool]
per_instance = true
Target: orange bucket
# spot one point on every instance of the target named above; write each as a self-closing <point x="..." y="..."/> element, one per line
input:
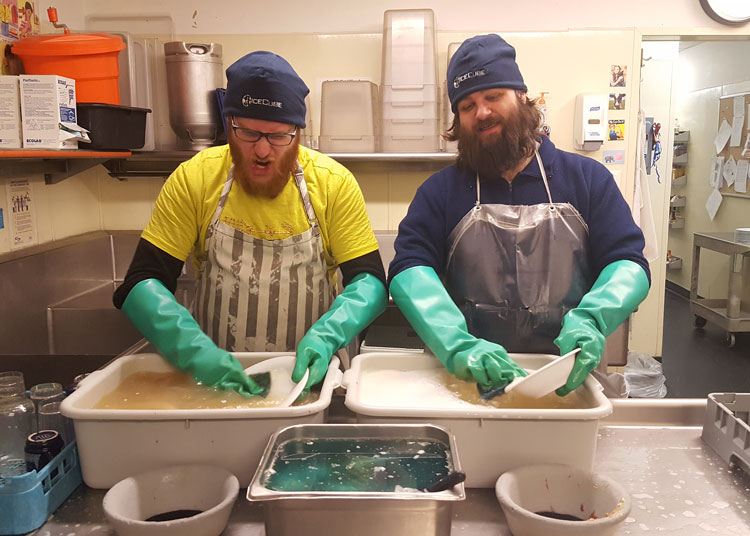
<point x="89" y="59"/>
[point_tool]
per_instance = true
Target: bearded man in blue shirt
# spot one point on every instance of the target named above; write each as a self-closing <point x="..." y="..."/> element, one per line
<point x="518" y="246"/>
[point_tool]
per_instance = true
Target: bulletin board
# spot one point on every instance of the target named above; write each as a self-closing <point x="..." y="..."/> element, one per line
<point x="726" y="112"/>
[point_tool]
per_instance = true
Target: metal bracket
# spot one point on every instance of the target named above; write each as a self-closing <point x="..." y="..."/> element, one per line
<point x="58" y="169"/>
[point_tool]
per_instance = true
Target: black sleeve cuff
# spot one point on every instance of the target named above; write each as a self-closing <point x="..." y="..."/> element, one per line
<point x="370" y="263"/>
<point x="149" y="262"/>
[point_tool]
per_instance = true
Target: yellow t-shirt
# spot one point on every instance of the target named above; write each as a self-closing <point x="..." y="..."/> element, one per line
<point x="190" y="196"/>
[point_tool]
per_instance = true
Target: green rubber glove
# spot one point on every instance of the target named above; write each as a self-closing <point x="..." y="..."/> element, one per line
<point x="422" y="298"/>
<point x="361" y="302"/>
<point x="616" y="293"/>
<point x="171" y="328"/>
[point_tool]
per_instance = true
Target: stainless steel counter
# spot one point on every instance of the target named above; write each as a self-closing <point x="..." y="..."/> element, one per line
<point x="678" y="485"/>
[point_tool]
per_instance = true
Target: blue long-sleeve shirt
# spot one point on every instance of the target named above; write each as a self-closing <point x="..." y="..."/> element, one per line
<point x="443" y="200"/>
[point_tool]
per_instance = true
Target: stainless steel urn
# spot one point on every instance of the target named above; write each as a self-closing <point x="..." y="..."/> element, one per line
<point x="194" y="72"/>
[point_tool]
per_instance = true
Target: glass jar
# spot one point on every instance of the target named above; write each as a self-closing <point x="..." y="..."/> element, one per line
<point x="44" y="393"/>
<point x="16" y="420"/>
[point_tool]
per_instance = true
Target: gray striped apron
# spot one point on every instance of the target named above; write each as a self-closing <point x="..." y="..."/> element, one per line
<point x="257" y="295"/>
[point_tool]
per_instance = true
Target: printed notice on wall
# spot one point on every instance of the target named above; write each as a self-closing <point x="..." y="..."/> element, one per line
<point x="21" y="216"/>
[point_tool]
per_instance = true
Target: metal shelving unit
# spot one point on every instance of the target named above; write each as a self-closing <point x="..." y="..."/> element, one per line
<point x="729" y="314"/>
<point x="679" y="179"/>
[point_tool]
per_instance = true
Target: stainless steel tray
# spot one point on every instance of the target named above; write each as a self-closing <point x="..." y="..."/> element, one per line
<point x="365" y="513"/>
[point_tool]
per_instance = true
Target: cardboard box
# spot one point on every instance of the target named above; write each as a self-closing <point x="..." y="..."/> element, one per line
<point x="48" y="112"/>
<point x="10" y="113"/>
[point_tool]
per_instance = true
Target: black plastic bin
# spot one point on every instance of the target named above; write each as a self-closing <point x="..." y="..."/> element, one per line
<point x="112" y="127"/>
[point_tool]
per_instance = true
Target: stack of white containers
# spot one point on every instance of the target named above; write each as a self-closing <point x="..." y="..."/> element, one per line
<point x="305" y="135"/>
<point x="409" y="82"/>
<point x="450" y="146"/>
<point x="348" y="117"/>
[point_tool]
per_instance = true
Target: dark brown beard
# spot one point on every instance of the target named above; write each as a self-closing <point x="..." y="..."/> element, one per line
<point x="283" y="168"/>
<point x="517" y="141"/>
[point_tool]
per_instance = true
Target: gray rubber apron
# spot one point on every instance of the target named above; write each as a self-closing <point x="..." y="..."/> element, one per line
<point x="260" y="295"/>
<point x="515" y="270"/>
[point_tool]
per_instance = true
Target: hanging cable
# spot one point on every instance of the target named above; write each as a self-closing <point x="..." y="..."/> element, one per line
<point x="657" y="149"/>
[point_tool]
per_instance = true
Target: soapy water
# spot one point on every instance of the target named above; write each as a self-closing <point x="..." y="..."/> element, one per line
<point x="357" y="465"/>
<point x="437" y="388"/>
<point x="178" y="390"/>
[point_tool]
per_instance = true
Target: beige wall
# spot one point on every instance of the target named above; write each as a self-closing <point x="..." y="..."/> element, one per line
<point x="702" y="81"/>
<point x="253" y="17"/>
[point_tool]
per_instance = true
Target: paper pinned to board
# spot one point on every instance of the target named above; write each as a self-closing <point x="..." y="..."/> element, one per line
<point x="738" y="103"/>
<point x="740" y="177"/>
<point x="729" y="171"/>
<point x="738" y="121"/>
<point x="722" y="137"/>
<point x="717" y="166"/>
<point x="713" y="203"/>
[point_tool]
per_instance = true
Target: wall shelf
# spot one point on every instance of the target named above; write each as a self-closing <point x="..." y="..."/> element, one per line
<point x="163" y="163"/>
<point x="679" y="181"/>
<point x="677" y="201"/>
<point x="55" y="165"/>
<point x="59" y="165"/>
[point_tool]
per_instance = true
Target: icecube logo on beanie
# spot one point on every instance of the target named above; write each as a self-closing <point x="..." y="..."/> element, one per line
<point x="262" y="85"/>
<point x="247" y="101"/>
<point x="479" y="72"/>
<point x="482" y="62"/>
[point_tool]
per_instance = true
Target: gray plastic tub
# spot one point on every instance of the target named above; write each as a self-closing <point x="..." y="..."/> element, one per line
<point x="727" y="427"/>
<point x="400" y="512"/>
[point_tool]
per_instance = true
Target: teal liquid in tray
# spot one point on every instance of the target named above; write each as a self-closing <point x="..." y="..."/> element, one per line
<point x="364" y="465"/>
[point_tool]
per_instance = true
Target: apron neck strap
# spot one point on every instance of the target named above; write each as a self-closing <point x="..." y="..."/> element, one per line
<point x="224" y="194"/>
<point x="544" y="179"/>
<point x="299" y="178"/>
<point x="544" y="175"/>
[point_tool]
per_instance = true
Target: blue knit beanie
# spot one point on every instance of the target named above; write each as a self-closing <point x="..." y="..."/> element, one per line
<point x="262" y="85"/>
<point x="482" y="62"/>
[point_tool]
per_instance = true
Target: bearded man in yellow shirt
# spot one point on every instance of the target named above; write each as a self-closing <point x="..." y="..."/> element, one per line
<point x="268" y="223"/>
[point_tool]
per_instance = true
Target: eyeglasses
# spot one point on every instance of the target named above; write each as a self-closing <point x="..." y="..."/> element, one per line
<point x="246" y="134"/>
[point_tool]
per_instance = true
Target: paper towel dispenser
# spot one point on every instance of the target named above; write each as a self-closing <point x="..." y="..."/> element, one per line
<point x="590" y="125"/>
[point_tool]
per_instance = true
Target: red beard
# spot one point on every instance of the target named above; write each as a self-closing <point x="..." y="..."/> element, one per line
<point x="283" y="167"/>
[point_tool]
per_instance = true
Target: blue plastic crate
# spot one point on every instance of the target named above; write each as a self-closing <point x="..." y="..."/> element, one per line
<point x="26" y="501"/>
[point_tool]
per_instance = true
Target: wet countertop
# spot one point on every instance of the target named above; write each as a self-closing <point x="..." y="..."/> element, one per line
<point x="678" y="485"/>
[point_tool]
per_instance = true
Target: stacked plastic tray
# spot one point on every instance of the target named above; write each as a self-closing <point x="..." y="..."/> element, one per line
<point x="450" y="146"/>
<point x="409" y="89"/>
<point x="348" y="117"/>
<point x="727" y="427"/>
<point x="305" y="136"/>
<point x="28" y="500"/>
